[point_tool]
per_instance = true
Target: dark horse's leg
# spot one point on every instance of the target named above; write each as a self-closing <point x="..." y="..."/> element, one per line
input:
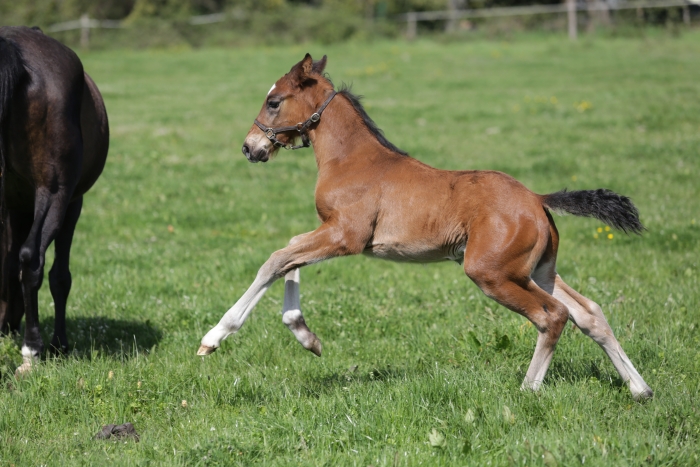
<point x="50" y="209"/>
<point x="17" y="226"/>
<point x="59" y="277"/>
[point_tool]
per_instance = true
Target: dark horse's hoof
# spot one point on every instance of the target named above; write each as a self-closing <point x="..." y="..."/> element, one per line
<point x="24" y="369"/>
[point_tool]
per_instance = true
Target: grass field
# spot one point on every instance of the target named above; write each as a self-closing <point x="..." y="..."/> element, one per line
<point x="419" y="367"/>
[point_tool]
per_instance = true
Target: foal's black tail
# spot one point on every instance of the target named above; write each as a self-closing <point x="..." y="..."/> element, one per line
<point x="605" y="205"/>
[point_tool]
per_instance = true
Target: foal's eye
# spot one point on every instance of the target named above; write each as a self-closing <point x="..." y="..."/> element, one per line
<point x="273" y="104"/>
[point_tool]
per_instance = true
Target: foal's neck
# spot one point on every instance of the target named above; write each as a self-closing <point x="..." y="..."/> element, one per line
<point x="342" y="136"/>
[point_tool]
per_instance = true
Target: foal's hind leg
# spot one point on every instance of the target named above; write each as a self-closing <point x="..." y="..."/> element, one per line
<point x="292" y="317"/>
<point x="60" y="279"/>
<point x="590" y="319"/>
<point x="547" y="314"/>
<point x="501" y="268"/>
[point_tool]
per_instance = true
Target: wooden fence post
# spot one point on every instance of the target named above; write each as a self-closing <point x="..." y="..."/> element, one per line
<point x="412" y="21"/>
<point x="84" y="31"/>
<point x="571" y="16"/>
<point x="451" y="23"/>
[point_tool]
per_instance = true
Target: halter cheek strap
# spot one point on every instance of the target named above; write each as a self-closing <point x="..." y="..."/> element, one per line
<point x="302" y="128"/>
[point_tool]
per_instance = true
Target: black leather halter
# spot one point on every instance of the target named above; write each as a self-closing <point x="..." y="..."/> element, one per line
<point x="302" y="128"/>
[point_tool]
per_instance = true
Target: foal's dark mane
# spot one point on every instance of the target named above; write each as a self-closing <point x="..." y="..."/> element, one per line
<point x="369" y="123"/>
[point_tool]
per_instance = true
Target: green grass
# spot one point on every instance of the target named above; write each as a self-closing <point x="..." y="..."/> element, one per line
<point x="408" y="349"/>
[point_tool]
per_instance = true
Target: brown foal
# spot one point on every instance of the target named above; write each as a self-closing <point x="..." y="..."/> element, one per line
<point x="374" y="199"/>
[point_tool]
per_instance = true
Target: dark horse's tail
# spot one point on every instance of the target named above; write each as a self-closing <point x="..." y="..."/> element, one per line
<point x="605" y="205"/>
<point x="11" y="71"/>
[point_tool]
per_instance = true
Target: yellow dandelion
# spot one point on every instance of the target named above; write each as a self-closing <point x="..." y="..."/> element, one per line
<point x="553" y="100"/>
<point x="595" y="235"/>
<point x="583" y="106"/>
<point x="184" y="403"/>
<point x="599" y="230"/>
<point x="110" y="375"/>
<point x="138" y="384"/>
<point x="574" y="178"/>
<point x="610" y="236"/>
<point x="607" y="229"/>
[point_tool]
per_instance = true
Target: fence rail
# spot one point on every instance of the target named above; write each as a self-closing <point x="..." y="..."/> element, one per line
<point x="536" y="9"/>
<point x="85" y="23"/>
<point x="569" y="6"/>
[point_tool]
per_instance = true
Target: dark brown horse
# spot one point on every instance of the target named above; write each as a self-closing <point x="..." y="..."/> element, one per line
<point x="372" y="198"/>
<point x="53" y="146"/>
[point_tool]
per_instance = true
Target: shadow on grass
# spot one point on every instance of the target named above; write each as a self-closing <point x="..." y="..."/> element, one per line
<point x="569" y="373"/>
<point x="316" y="385"/>
<point x="309" y="385"/>
<point x="89" y="336"/>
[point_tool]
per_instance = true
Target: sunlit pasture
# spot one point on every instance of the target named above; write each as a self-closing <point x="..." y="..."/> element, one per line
<point x="418" y="366"/>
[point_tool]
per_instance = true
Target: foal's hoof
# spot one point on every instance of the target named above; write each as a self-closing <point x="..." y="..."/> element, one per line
<point x="532" y="386"/>
<point x="205" y="350"/>
<point x="644" y="395"/>
<point x="314" y="346"/>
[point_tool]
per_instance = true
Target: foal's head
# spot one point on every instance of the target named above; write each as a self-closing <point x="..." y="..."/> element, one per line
<point x="290" y="101"/>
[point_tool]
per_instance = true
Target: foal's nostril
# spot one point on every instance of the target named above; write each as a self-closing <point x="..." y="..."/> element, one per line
<point x="246" y="151"/>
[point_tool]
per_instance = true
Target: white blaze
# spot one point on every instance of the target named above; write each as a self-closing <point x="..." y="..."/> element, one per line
<point x="271" y="89"/>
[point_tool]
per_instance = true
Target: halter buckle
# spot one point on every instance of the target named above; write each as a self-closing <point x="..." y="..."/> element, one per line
<point x="270" y="133"/>
<point x="315" y="117"/>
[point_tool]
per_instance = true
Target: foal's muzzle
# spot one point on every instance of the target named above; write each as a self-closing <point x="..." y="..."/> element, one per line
<point x="246" y="152"/>
<point x="261" y="155"/>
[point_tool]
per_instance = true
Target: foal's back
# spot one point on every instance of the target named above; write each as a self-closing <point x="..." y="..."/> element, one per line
<point x="427" y="214"/>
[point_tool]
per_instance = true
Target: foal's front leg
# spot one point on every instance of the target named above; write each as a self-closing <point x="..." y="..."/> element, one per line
<point x="292" y="317"/>
<point x="323" y="243"/>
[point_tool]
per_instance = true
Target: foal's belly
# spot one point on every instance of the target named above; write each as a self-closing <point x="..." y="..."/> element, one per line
<point x="416" y="253"/>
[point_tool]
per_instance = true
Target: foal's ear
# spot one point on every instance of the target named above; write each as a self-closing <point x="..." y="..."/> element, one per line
<point x="320" y="65"/>
<point x="301" y="72"/>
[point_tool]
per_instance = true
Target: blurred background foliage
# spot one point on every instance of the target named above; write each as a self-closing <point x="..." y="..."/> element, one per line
<point x="167" y="23"/>
<point x="52" y="11"/>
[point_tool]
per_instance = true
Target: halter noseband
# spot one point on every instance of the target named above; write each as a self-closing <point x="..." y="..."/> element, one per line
<point x="302" y="128"/>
